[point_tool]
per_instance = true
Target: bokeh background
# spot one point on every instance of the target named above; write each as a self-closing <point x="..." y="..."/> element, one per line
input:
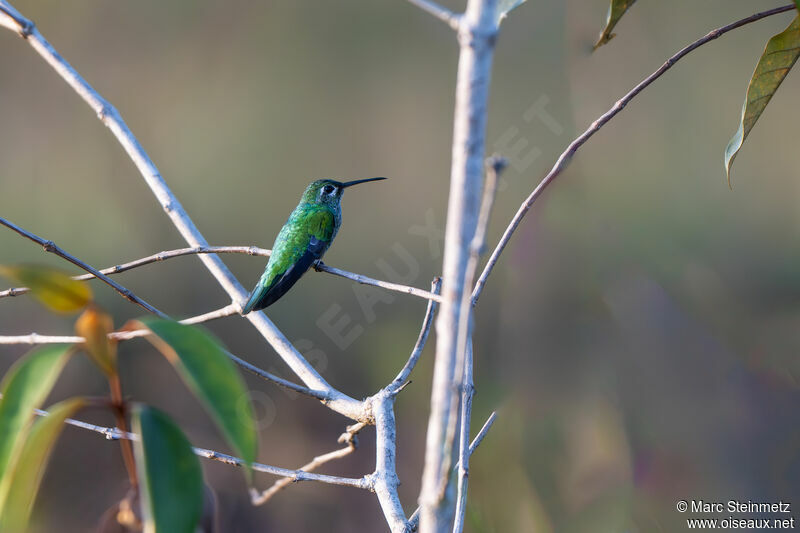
<point x="640" y="335"/>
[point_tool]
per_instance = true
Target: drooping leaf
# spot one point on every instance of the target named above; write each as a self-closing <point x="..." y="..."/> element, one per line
<point x="779" y="56"/>
<point x="25" y="387"/>
<point x="21" y="484"/>
<point x="94" y="325"/>
<point x="615" y="12"/>
<point x="170" y="476"/>
<point x="504" y="7"/>
<point x="212" y="377"/>
<point x="52" y="287"/>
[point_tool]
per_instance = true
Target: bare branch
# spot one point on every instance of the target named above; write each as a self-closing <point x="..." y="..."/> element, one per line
<point x="463" y="380"/>
<point x="477" y="33"/>
<point x="155" y="258"/>
<point x="294" y="475"/>
<point x="413" y="522"/>
<point x="323" y="396"/>
<point x="445" y="15"/>
<point x="349" y="437"/>
<point x="35" y="338"/>
<point x="566" y="156"/>
<point x="364" y="280"/>
<point x="339" y="402"/>
<point x="401" y="378"/>
<point x="249" y="250"/>
<point x="467" y="392"/>
<point x="50" y="246"/>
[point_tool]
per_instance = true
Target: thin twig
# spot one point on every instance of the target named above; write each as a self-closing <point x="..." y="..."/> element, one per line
<point x="566" y="156"/>
<point x="413" y="522"/>
<point x="402" y="377"/>
<point x="467" y="393"/>
<point x="155" y="258"/>
<point x="109" y="115"/>
<point x="364" y="280"/>
<point x="348" y="437"/>
<point x="35" y="338"/>
<point x="321" y="395"/>
<point x="445" y="15"/>
<point x="249" y="250"/>
<point x="50" y="246"/>
<point x="463" y="379"/>
<point x="294" y="475"/>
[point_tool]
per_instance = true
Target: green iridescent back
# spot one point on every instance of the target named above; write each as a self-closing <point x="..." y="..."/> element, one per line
<point x="309" y="231"/>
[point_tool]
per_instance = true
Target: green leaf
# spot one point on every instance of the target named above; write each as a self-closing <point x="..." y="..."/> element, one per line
<point x="615" y="12"/>
<point x="25" y="387"/>
<point x="506" y="6"/>
<point x="170" y="476"/>
<point x="54" y="288"/>
<point x="21" y="484"/>
<point x="779" y="56"/>
<point x="212" y="377"/>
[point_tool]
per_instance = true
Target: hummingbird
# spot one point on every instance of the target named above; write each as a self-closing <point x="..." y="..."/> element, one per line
<point x="303" y="239"/>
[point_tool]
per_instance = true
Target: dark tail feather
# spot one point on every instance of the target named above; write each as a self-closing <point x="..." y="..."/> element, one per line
<point x="255" y="302"/>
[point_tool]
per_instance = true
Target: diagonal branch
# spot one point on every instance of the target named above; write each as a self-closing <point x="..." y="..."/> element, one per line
<point x="349" y="437"/>
<point x="402" y="377"/>
<point x="50" y="246"/>
<point x="413" y="522"/>
<point x="565" y="158"/>
<point x="249" y="250"/>
<point x="293" y="475"/>
<point x="340" y="402"/>
<point x="495" y="165"/>
<point x="445" y="15"/>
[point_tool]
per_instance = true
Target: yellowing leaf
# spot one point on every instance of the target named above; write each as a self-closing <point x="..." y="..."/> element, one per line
<point x="779" y="56"/>
<point x="52" y="287"/>
<point x="95" y="325"/>
<point x="22" y="484"/>
<point x="615" y="12"/>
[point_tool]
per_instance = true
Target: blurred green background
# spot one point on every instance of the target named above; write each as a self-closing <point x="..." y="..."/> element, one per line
<point x="639" y="336"/>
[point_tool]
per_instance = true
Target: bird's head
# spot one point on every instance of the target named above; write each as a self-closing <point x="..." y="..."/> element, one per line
<point x="329" y="192"/>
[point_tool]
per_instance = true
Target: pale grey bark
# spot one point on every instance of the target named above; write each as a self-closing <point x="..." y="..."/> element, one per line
<point x="477" y="31"/>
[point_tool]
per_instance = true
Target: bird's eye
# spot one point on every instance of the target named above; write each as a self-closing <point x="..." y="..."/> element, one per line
<point x="328" y="189"/>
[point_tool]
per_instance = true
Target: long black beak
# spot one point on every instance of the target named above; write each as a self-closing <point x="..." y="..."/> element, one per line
<point x="356" y="182"/>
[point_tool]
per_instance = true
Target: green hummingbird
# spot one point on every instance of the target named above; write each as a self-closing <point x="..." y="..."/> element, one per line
<point x="306" y="236"/>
